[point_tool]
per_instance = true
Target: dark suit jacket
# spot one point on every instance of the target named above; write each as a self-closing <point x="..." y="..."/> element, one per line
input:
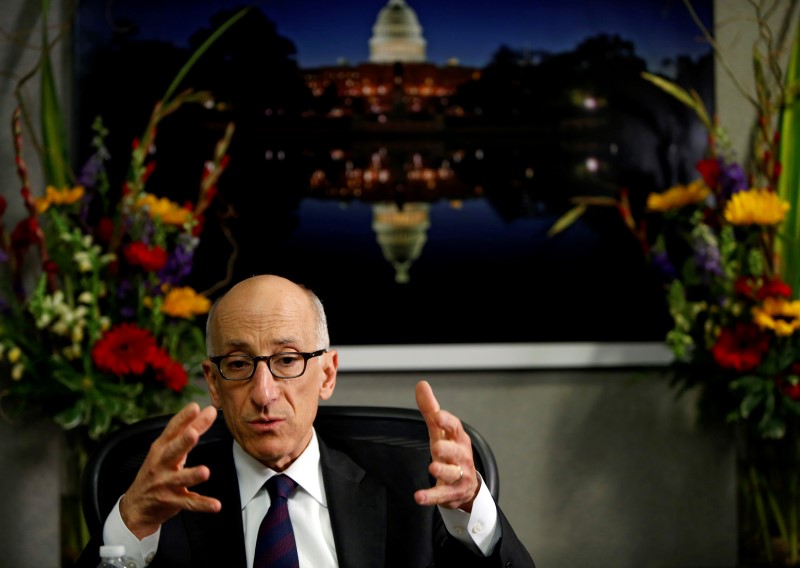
<point x="375" y="520"/>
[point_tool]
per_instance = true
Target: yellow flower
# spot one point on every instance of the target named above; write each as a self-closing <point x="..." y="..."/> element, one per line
<point x="678" y="196"/>
<point x="162" y="208"/>
<point x="779" y="315"/>
<point x="184" y="302"/>
<point x="53" y="196"/>
<point x="14" y="355"/>
<point x="756" y="207"/>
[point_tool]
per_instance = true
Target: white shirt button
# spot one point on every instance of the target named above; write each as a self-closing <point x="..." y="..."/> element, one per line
<point x="149" y="558"/>
<point x="460" y="530"/>
<point x="477" y="528"/>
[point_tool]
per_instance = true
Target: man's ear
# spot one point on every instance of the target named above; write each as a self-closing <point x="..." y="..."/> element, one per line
<point x="211" y="381"/>
<point x="329" y="374"/>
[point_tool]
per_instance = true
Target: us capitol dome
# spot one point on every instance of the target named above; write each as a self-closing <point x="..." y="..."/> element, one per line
<point x="397" y="35"/>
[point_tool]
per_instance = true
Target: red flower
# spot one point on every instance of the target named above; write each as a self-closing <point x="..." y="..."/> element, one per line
<point x="105" y="230"/>
<point x="740" y="348"/>
<point x="197" y="230"/>
<point x="124" y="349"/>
<point x="168" y="371"/>
<point x="768" y="289"/>
<point x="50" y="267"/>
<point x="174" y="376"/>
<point x="773" y="288"/>
<point x="709" y="169"/>
<point x="151" y="259"/>
<point x="743" y="287"/>
<point x="792" y="391"/>
<point x="26" y="233"/>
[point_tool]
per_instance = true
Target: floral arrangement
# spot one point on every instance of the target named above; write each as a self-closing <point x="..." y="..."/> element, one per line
<point x="727" y="248"/>
<point x="97" y="326"/>
<point x="723" y="245"/>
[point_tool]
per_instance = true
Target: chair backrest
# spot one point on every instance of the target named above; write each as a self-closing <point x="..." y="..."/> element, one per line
<point x="112" y="467"/>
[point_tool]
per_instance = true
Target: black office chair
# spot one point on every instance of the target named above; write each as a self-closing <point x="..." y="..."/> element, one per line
<point x="112" y="467"/>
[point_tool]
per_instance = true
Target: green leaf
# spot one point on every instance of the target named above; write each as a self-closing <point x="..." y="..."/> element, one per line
<point x="750" y="401"/>
<point x="200" y="51"/>
<point x="690" y="99"/>
<point x="566" y="220"/>
<point x="774" y="428"/>
<point x="788" y="247"/>
<point x="72" y="416"/>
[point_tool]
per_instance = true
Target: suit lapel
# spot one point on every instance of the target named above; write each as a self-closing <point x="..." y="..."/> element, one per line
<point x="357" y="507"/>
<point x="226" y="548"/>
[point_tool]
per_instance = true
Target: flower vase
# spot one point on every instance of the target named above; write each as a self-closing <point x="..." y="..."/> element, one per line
<point x="768" y="499"/>
<point x="74" y="532"/>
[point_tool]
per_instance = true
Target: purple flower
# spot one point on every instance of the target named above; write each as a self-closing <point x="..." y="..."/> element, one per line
<point x="706" y="256"/>
<point x="663" y="265"/>
<point x="91" y="171"/>
<point x="732" y="179"/>
<point x="179" y="263"/>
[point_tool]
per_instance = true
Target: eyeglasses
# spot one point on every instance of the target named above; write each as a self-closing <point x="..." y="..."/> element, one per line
<point x="241" y="367"/>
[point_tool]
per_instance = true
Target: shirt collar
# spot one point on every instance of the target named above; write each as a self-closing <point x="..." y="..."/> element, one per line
<point x="305" y="470"/>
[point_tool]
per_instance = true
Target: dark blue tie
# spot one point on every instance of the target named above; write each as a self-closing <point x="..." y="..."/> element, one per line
<point x="276" y="547"/>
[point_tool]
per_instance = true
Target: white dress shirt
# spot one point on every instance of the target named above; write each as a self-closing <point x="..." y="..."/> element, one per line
<point x="308" y="510"/>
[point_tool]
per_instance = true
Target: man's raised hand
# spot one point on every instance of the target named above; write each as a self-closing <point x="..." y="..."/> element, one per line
<point x="161" y="487"/>
<point x="453" y="466"/>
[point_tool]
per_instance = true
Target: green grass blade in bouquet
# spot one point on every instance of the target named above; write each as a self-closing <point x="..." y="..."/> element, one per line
<point x="788" y="247"/>
<point x="54" y="138"/>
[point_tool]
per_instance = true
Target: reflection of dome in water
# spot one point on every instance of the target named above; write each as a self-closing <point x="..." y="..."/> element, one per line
<point x="401" y="234"/>
<point x="397" y="35"/>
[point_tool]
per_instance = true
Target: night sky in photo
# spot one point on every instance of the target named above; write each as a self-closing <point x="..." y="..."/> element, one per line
<point x="469" y="30"/>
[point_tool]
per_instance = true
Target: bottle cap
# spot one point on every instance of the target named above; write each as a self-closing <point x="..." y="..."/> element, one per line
<point x="112" y="550"/>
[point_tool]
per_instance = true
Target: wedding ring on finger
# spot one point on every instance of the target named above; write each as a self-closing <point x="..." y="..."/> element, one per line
<point x="460" y="475"/>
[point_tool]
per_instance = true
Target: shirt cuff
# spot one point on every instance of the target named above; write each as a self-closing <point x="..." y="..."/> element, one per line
<point x="478" y="530"/>
<point x="115" y="532"/>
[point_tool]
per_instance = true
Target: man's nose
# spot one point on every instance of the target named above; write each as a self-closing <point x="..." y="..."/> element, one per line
<point x="264" y="387"/>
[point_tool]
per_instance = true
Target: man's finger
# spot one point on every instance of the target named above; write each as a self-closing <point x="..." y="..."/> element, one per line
<point x="429" y="407"/>
<point x="184" y="436"/>
<point x="200" y="503"/>
<point x="178" y="423"/>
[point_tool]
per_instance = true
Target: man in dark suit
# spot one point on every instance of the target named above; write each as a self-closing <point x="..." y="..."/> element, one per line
<point x="357" y="504"/>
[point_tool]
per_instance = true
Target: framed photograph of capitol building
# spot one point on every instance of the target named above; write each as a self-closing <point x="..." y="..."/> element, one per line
<point x="407" y="159"/>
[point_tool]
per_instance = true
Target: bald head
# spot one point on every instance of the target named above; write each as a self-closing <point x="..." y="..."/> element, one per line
<point x="260" y="294"/>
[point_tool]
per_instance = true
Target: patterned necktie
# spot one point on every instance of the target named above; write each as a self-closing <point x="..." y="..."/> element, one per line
<point x="276" y="547"/>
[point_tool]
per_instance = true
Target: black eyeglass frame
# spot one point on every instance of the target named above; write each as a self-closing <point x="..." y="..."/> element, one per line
<point x="217" y="359"/>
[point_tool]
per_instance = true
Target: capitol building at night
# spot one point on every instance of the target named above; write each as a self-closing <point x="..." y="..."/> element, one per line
<point x="398" y="78"/>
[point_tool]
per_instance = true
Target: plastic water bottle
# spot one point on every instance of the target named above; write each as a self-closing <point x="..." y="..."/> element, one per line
<point x="113" y="556"/>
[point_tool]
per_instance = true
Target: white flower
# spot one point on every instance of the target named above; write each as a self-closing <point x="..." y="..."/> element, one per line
<point x="60" y="327"/>
<point x="72" y="352"/>
<point x="84" y="261"/>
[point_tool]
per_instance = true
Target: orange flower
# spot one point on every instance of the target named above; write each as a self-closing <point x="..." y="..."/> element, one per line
<point x="184" y="302"/>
